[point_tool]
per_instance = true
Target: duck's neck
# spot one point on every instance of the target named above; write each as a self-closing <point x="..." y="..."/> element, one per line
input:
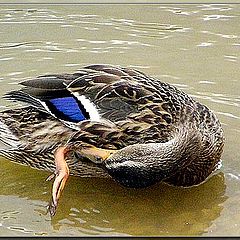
<point x="141" y="165"/>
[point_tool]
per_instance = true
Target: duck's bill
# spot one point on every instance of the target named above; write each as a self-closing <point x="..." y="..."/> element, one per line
<point x="96" y="155"/>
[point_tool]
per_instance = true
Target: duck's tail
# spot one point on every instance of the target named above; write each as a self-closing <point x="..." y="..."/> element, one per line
<point x="7" y="137"/>
<point x="12" y="125"/>
<point x="8" y="140"/>
<point x="29" y="137"/>
<point x="42" y="161"/>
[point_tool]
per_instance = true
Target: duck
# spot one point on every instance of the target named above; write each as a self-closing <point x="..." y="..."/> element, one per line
<point x="111" y="122"/>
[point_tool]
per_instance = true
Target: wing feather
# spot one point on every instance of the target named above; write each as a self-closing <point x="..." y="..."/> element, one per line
<point x="93" y="91"/>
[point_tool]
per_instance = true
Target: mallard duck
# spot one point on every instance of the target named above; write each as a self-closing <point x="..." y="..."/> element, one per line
<point x="111" y="121"/>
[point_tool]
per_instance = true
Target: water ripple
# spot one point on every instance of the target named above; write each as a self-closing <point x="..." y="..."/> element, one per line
<point x="217" y="17"/>
<point x="17" y="45"/>
<point x="215" y="7"/>
<point x="218" y="98"/>
<point x="205" y="44"/>
<point x="147" y="29"/>
<point x="231" y="36"/>
<point x="229" y="115"/>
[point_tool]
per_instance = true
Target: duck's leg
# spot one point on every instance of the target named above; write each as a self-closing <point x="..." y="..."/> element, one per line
<point x="97" y="155"/>
<point x="61" y="176"/>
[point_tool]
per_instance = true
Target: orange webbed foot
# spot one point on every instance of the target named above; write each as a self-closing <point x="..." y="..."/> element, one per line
<point x="61" y="176"/>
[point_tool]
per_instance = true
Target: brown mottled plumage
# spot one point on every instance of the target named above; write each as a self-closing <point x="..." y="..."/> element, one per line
<point x="162" y="134"/>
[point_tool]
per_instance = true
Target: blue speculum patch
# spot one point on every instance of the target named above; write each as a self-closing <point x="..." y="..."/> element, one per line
<point x="69" y="107"/>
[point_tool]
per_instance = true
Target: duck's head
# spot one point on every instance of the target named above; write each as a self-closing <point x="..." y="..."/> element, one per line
<point x="142" y="165"/>
<point x="137" y="166"/>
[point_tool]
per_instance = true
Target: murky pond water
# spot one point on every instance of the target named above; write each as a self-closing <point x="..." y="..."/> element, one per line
<point x="195" y="47"/>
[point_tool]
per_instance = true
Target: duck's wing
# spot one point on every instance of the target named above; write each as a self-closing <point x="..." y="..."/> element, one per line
<point x="93" y="93"/>
<point x="49" y="94"/>
<point x="115" y="91"/>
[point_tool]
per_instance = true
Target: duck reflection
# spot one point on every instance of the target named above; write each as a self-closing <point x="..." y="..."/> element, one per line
<point x="102" y="207"/>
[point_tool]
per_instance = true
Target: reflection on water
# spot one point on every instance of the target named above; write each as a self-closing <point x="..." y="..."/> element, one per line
<point x="100" y="206"/>
<point x="194" y="47"/>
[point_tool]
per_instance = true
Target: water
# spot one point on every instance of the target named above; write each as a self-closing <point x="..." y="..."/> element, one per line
<point x="195" y="47"/>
